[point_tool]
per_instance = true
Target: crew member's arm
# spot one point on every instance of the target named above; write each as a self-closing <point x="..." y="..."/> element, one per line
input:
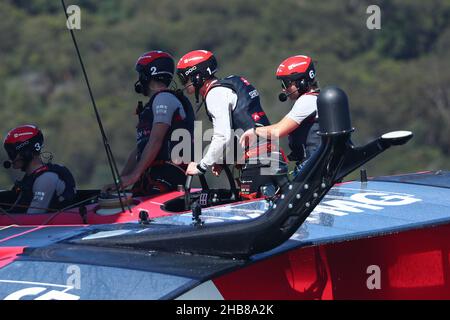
<point x="149" y="154"/>
<point x="164" y="107"/>
<point x="280" y="129"/>
<point x="131" y="163"/>
<point x="134" y="169"/>
<point x="220" y="102"/>
<point x="277" y="130"/>
<point x="303" y="107"/>
<point x="129" y="167"/>
<point x="44" y="188"/>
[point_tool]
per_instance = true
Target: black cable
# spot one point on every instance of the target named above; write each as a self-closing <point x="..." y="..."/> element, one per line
<point x="111" y="161"/>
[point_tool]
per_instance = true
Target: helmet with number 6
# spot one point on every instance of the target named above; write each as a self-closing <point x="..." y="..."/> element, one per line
<point x="299" y="70"/>
<point x="24" y="140"/>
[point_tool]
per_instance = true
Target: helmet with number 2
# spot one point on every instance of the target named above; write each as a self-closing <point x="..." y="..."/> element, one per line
<point x="157" y="65"/>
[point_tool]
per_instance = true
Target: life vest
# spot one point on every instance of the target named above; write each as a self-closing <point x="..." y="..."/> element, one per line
<point x="248" y="112"/>
<point x="145" y="124"/>
<point x="304" y="140"/>
<point x="24" y="188"/>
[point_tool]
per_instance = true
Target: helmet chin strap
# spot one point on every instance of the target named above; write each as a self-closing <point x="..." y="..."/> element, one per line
<point x="26" y="159"/>
<point x="25" y="166"/>
<point x="198" y="83"/>
<point x="199" y="105"/>
<point x="197" y="95"/>
<point x="145" y="91"/>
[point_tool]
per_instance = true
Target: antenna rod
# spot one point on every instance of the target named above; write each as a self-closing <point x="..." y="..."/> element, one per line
<point x="109" y="154"/>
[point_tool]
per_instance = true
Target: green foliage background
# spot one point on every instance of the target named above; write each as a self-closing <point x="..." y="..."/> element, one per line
<point x="397" y="77"/>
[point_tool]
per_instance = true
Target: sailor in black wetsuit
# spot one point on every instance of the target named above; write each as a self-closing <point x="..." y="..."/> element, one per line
<point x="233" y="105"/>
<point x="44" y="185"/>
<point x="151" y="166"/>
<point x="299" y="83"/>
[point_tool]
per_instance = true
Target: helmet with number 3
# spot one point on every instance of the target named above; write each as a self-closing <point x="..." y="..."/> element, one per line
<point x="24" y="141"/>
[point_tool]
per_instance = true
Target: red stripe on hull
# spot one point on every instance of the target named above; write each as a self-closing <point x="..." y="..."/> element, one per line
<point x="9" y="254"/>
<point x="73" y="217"/>
<point x="412" y="265"/>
